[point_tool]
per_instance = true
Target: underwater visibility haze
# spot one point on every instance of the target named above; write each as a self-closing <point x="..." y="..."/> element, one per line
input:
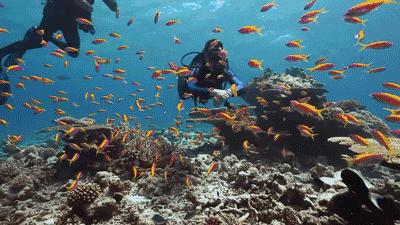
<point x="313" y="87"/>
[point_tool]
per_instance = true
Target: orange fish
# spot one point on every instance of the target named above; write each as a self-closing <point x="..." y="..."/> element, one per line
<point x="297" y="57"/>
<point x="4" y="30"/>
<point x="187" y="181"/>
<point x="213" y="166"/>
<point x="363" y="159"/>
<point x="113" y="34"/>
<point x="251" y="29"/>
<point x="172" y="22"/>
<point x="388" y="98"/>
<point x="391" y="85"/>
<point x="360" y="140"/>
<point x="305" y="108"/>
<point x="98" y="41"/>
<point x="367" y="6"/>
<point x="255" y="63"/>
<point x="382" y="139"/>
<point x="376" y="45"/>
<point x="354" y="19"/>
<point x="314" y="13"/>
<point x="294" y="44"/>
<point x="376" y="70"/>
<point x="393" y="118"/>
<point x="246" y="145"/>
<point x="153" y="169"/>
<point x="322" y="66"/>
<point x="268" y="6"/>
<point x="74" y="158"/>
<point x="83" y="21"/>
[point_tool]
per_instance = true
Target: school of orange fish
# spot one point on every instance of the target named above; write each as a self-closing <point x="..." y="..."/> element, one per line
<point x="352" y="15"/>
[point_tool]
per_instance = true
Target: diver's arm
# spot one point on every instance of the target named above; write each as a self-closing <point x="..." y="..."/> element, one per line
<point x="191" y="85"/>
<point x="234" y="79"/>
<point x="194" y="89"/>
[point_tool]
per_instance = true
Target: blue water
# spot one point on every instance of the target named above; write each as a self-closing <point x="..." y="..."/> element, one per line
<point x="330" y="37"/>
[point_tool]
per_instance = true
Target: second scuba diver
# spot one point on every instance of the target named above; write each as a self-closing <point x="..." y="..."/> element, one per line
<point x="57" y="15"/>
<point x="210" y="75"/>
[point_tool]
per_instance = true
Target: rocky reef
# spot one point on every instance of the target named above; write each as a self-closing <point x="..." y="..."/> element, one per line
<point x="272" y="125"/>
<point x="255" y="167"/>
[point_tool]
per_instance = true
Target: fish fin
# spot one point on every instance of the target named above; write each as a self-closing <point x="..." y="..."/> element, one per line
<point x="320" y="114"/>
<point x="259" y="31"/>
<point x="310" y="69"/>
<point x="390" y="2"/>
<point x="364" y="22"/>
<point x="364" y="46"/>
<point x="323" y="10"/>
<point x="392" y="111"/>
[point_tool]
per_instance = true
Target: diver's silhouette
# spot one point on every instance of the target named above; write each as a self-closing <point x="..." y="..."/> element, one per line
<point x="58" y="15"/>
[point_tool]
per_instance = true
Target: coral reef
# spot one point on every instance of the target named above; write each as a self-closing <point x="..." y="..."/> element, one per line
<point x="274" y="125"/>
<point x="255" y="167"/>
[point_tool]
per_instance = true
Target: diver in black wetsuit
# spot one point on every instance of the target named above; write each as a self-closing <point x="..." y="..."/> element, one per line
<point x="211" y="72"/>
<point x="57" y="15"/>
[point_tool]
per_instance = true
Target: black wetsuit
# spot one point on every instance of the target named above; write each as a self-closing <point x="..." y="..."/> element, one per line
<point x="58" y="15"/>
<point x="199" y="87"/>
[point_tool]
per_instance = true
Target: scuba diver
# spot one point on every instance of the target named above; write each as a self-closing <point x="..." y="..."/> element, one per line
<point x="211" y="72"/>
<point x="58" y="15"/>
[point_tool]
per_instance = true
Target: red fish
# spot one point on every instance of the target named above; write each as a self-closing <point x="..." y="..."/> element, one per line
<point x="172" y="22"/>
<point x="310" y="4"/>
<point x="376" y="70"/>
<point x="366" y="7"/>
<point x="268" y="6"/>
<point x="376" y="45"/>
<point x="387" y="98"/>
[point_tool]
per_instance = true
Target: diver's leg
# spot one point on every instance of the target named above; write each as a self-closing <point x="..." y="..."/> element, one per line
<point x="71" y="35"/>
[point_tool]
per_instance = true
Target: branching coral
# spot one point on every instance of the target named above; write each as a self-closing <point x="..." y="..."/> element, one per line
<point x="83" y="194"/>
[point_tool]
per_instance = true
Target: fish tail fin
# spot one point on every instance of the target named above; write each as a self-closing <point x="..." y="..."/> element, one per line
<point x="310" y="69"/>
<point x="316" y="19"/>
<point x="313" y="136"/>
<point x="390" y="2"/>
<point x="363" y="47"/>
<point x="349" y="160"/>
<point x="260" y="31"/>
<point x="364" y="22"/>
<point x="320" y="114"/>
<point x="323" y="10"/>
<point x="306" y="58"/>
<point x="392" y="111"/>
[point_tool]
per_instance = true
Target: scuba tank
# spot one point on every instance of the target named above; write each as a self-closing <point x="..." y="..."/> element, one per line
<point x="183" y="80"/>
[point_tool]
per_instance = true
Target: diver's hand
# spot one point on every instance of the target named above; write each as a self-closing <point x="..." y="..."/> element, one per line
<point x="218" y="93"/>
<point x="87" y="28"/>
<point x="220" y="96"/>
